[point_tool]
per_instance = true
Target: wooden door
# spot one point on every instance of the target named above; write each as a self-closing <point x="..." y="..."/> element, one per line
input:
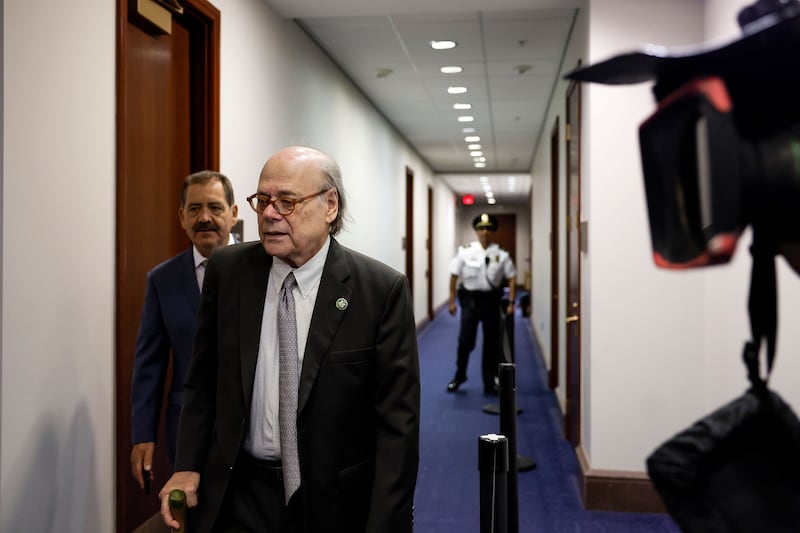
<point x="408" y="243"/>
<point x="168" y="124"/>
<point x="572" y="310"/>
<point x="506" y="235"/>
<point x="555" y="318"/>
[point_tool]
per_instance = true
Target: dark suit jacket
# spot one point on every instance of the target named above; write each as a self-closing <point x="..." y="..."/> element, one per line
<point x="169" y="321"/>
<point x="358" y="406"/>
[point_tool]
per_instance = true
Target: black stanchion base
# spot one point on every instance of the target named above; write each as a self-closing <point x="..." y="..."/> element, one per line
<point x="525" y="464"/>
<point x="494" y="409"/>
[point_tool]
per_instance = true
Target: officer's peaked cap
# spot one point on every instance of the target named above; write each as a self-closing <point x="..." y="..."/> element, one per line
<point x="485" y="220"/>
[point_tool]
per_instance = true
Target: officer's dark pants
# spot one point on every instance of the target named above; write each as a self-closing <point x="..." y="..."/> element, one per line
<point x="481" y="307"/>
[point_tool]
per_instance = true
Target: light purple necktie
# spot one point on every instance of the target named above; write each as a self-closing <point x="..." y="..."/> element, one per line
<point x="287" y="403"/>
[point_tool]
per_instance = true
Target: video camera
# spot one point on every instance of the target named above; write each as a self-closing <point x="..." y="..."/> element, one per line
<point x="722" y="149"/>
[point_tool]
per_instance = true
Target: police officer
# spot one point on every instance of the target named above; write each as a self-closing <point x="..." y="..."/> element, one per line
<point x="482" y="267"/>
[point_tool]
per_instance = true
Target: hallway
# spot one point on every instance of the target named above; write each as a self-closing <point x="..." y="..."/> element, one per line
<point x="447" y="497"/>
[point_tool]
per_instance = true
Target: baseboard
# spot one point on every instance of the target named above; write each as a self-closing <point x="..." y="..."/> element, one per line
<point x="617" y="490"/>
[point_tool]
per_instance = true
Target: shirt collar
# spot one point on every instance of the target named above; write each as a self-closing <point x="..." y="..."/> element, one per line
<point x="307" y="276"/>
<point x="198" y="257"/>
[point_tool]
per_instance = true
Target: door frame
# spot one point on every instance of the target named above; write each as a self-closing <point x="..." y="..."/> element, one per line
<point x="572" y="267"/>
<point x="202" y="21"/>
<point x="408" y="242"/>
<point x="555" y="323"/>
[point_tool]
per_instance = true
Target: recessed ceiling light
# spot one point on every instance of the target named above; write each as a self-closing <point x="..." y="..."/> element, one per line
<point x="443" y="45"/>
<point x="462" y="106"/>
<point x="453" y="69"/>
<point x="466" y="118"/>
<point x="476" y="153"/>
<point x="472" y="139"/>
<point x="480" y="165"/>
<point x="467" y="130"/>
<point x="489" y="194"/>
<point x="491" y="201"/>
<point x="479" y="159"/>
<point x="456" y="90"/>
<point x="474" y="147"/>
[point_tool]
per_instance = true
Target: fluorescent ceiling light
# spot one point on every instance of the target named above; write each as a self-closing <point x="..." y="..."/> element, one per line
<point x="492" y="201"/>
<point x="474" y="147"/>
<point x="480" y="165"/>
<point x="466" y="118"/>
<point x="476" y="153"/>
<point x="456" y="90"/>
<point x="462" y="106"/>
<point x="467" y="130"/>
<point x="472" y="139"/>
<point x="479" y="159"/>
<point x="443" y="45"/>
<point x="489" y="194"/>
<point x="454" y="69"/>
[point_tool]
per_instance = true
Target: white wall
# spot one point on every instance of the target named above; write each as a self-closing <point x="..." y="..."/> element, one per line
<point x="57" y="440"/>
<point x="664" y="347"/>
<point x="58" y="242"/>
<point x="444" y="239"/>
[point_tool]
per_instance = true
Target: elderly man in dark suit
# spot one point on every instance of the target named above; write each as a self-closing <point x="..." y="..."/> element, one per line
<point x="169" y="317"/>
<point x="347" y="461"/>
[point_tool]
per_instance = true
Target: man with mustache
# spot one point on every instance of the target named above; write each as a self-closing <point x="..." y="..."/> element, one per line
<point x="169" y="318"/>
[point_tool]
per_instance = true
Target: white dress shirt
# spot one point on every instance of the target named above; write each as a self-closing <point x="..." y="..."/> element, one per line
<point x="482" y="269"/>
<point x="200" y="262"/>
<point x="263" y="437"/>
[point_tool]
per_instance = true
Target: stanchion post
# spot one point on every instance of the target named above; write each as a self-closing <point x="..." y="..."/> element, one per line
<point x="506" y="352"/>
<point x="493" y="467"/>
<point x="508" y="427"/>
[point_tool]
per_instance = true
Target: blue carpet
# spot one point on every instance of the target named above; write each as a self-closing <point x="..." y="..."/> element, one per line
<point x="448" y="492"/>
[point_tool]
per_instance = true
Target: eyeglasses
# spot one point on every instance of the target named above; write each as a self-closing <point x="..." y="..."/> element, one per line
<point x="282" y="204"/>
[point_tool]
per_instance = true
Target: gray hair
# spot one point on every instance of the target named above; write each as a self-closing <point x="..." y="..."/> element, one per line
<point x="333" y="180"/>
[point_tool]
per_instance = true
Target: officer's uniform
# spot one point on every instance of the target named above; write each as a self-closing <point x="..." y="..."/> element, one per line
<point x="481" y="273"/>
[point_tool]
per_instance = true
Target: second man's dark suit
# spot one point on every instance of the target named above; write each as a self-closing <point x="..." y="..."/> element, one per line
<point x="169" y="322"/>
<point x="358" y="405"/>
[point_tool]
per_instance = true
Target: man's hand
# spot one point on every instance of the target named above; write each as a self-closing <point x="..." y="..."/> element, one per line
<point x="452" y="308"/>
<point x="142" y="462"/>
<point x="510" y="308"/>
<point x="186" y="481"/>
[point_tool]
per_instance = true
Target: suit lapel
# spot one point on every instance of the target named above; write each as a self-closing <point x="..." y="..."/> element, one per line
<point x="252" y="293"/>
<point x="325" y="319"/>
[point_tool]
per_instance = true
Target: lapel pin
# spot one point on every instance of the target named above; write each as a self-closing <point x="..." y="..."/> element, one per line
<point x="341" y="304"/>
